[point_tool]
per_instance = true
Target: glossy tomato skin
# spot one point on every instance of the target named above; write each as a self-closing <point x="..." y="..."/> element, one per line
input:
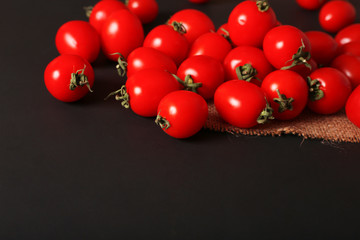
<point x="310" y="4"/>
<point x="205" y="70"/>
<point x="78" y="38"/>
<point x="242" y="55"/>
<point x="102" y="10"/>
<point x="185" y="111"/>
<point x="336" y="14"/>
<point x="194" y="21"/>
<point x="282" y="42"/>
<point x="348" y="34"/>
<point x="144" y="58"/>
<point x="349" y="65"/>
<point x="352" y="107"/>
<point x="145" y="10"/>
<point x="122" y="32"/>
<point x="336" y="88"/>
<point x="290" y="84"/>
<point x="323" y="47"/>
<point x="210" y="44"/>
<point x="351" y="48"/>
<point x="172" y="43"/>
<point x="247" y="18"/>
<point x="57" y="77"/>
<point x="147" y="87"/>
<point x="239" y="103"/>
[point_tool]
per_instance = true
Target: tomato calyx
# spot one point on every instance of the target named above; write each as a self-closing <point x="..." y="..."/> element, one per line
<point x="121" y="95"/>
<point x="121" y="67"/>
<point x="162" y="122"/>
<point x="300" y="57"/>
<point x="88" y="10"/>
<point x="284" y="102"/>
<point x="315" y="93"/>
<point x="246" y="72"/>
<point x="226" y="35"/>
<point x="188" y="83"/>
<point x="79" y="79"/>
<point x="263" y="5"/>
<point x="266" y="114"/>
<point x="178" y="27"/>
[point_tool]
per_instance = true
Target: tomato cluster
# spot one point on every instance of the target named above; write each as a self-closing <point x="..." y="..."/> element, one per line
<point x="253" y="68"/>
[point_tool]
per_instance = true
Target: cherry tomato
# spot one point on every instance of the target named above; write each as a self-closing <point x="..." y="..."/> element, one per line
<point x="102" y="10"/>
<point x="348" y="34"/>
<point x="336" y="14"/>
<point x="323" y="47"/>
<point x="169" y="41"/>
<point x="194" y="21"/>
<point x="352" y="107"/>
<point x="310" y="4"/>
<point x="249" y="22"/>
<point x="78" y="38"/>
<point x="287" y="93"/>
<point x="144" y="58"/>
<point x="286" y="46"/>
<point x="351" y="48"/>
<point x="202" y="74"/>
<point x="210" y="44"/>
<point x="145" y="10"/>
<point x="350" y="66"/>
<point x="144" y="90"/>
<point x="329" y="90"/>
<point x="122" y="32"/>
<point x="244" y="56"/>
<point x="69" y="78"/>
<point x="242" y="104"/>
<point x="181" y="114"/>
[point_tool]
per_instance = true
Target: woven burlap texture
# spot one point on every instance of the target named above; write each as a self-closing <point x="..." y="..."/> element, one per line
<point x="335" y="127"/>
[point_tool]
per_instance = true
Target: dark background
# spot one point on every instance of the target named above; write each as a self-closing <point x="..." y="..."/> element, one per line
<point x="93" y="170"/>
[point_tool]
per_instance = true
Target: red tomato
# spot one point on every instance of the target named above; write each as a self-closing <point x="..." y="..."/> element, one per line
<point x="69" y="78"/>
<point x="348" y="34"/>
<point x="241" y="57"/>
<point x="329" y="91"/>
<point x="305" y="71"/>
<point x="203" y="73"/>
<point x="310" y="4"/>
<point x="122" y="32"/>
<point x="249" y="22"/>
<point x="242" y="104"/>
<point x="102" y="10"/>
<point x="352" y="107"/>
<point x="144" y="90"/>
<point x="181" y="114"/>
<point x="351" y="48"/>
<point x="287" y="93"/>
<point x="78" y="38"/>
<point x="336" y="14"/>
<point x="194" y="21"/>
<point x="210" y="44"/>
<point x="165" y="39"/>
<point x="144" y="58"/>
<point x="350" y="66"/>
<point x="286" y="46"/>
<point x="323" y="47"/>
<point x="146" y="10"/>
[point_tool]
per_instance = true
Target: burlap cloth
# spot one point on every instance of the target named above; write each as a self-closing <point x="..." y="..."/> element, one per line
<point x="335" y="128"/>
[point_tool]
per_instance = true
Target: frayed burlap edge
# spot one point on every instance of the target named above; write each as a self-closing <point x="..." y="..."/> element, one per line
<point x="334" y="128"/>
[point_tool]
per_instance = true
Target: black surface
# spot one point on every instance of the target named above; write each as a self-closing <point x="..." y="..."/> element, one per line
<point x="93" y="170"/>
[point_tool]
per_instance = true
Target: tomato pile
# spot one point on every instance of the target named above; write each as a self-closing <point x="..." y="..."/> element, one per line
<point x="253" y="67"/>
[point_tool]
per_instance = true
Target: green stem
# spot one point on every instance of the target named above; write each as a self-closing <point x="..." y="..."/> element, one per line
<point x="121" y="67"/>
<point x="121" y="95"/>
<point x="188" y="83"/>
<point x="88" y="10"/>
<point x="79" y="79"/>
<point x="315" y="93"/>
<point x="162" y="122"/>
<point x="284" y="102"/>
<point x="263" y="5"/>
<point x="179" y="27"/>
<point x="266" y="114"/>
<point x="300" y="57"/>
<point x="246" y="72"/>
